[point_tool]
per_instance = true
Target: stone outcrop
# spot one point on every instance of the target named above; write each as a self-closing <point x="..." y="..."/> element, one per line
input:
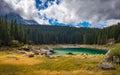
<point x="106" y="66"/>
<point x="31" y="55"/>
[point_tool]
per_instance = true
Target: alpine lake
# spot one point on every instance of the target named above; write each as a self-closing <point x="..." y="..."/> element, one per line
<point x="78" y="51"/>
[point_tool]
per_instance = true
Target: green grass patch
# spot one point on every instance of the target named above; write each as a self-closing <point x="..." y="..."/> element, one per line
<point x="6" y="69"/>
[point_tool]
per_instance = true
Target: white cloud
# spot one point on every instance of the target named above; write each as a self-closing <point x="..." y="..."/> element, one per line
<point x="61" y="13"/>
<point x="75" y="11"/>
<point x="26" y="8"/>
<point x="113" y="21"/>
<point x="71" y="11"/>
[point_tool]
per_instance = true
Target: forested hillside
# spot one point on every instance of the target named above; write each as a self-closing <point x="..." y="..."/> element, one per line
<point x="45" y="34"/>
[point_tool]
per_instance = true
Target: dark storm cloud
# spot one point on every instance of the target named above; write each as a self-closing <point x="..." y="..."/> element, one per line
<point x="101" y="9"/>
<point x="111" y="9"/>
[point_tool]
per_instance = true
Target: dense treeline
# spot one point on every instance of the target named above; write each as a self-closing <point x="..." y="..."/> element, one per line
<point x="42" y="34"/>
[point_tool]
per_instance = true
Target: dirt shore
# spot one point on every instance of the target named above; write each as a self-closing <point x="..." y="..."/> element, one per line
<point x="103" y="47"/>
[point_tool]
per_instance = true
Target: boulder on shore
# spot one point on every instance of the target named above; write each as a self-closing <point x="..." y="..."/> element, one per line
<point x="106" y="66"/>
<point x="43" y="53"/>
<point x="116" y="60"/>
<point x="23" y="52"/>
<point x="2" y="49"/>
<point x="36" y="52"/>
<point x="31" y="55"/>
<point x="52" y="51"/>
<point x="25" y="49"/>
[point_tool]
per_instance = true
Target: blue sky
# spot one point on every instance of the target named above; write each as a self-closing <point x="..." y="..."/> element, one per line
<point x="46" y="4"/>
<point x="43" y="5"/>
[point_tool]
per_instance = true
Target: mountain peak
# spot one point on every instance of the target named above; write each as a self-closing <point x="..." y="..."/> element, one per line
<point x="19" y="19"/>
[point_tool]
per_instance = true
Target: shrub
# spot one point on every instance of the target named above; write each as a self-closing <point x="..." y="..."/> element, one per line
<point x="115" y="51"/>
<point x="15" y="43"/>
<point x="0" y="42"/>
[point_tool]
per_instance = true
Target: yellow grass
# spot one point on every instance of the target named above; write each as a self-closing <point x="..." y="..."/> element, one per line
<point x="40" y="65"/>
<point x="77" y="72"/>
<point x="21" y="60"/>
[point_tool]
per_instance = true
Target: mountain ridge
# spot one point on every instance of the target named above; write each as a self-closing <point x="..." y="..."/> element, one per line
<point x="19" y="19"/>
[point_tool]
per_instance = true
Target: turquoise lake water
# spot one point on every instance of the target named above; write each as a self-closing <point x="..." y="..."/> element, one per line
<point x="64" y="51"/>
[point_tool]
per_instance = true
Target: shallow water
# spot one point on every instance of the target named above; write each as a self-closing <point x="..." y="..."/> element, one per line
<point x="64" y="51"/>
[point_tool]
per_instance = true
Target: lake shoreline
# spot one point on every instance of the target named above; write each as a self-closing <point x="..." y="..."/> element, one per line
<point x="51" y="46"/>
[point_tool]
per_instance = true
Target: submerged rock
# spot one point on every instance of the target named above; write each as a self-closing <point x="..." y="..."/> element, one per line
<point x="69" y="53"/>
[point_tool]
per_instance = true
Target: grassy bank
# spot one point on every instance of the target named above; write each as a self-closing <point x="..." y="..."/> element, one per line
<point x="41" y="65"/>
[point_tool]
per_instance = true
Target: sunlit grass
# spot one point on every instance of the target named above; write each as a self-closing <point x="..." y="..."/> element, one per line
<point x="69" y="63"/>
<point x="41" y="65"/>
<point x="16" y="59"/>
